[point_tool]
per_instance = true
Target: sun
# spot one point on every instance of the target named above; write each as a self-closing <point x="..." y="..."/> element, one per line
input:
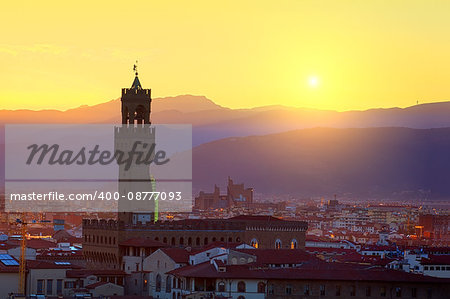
<point x="313" y="81"/>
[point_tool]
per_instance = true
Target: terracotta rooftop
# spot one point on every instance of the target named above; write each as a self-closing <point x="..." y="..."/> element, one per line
<point x="436" y="260"/>
<point x="216" y="244"/>
<point x="178" y="255"/>
<point x="322" y="271"/>
<point x="37" y="264"/>
<point x="81" y="273"/>
<point x="280" y="256"/>
<point x="97" y="284"/>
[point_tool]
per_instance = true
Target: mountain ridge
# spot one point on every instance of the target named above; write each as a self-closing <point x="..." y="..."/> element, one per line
<point x="211" y="121"/>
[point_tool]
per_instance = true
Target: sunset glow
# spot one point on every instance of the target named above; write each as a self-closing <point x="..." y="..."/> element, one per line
<point x="239" y="54"/>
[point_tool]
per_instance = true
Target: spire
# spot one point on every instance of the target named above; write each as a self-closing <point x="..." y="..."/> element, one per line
<point x="136" y="84"/>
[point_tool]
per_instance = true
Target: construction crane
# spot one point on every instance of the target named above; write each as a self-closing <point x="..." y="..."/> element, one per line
<point x="22" y="259"/>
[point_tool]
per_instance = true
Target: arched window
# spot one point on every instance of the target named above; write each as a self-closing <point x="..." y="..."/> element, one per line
<point x="221" y="286"/>
<point x="254" y="242"/>
<point x="222" y="239"/>
<point x="261" y="287"/>
<point x="238" y="239"/>
<point x="205" y="241"/>
<point x="278" y="244"/>
<point x="165" y="240"/>
<point x="214" y="239"/>
<point x="158" y="283"/>
<point x="181" y="241"/>
<point x="139" y="115"/>
<point x="230" y="239"/>
<point x="189" y="241"/>
<point x="197" y="241"/>
<point x="173" y="241"/>
<point x="241" y="287"/>
<point x="168" y="284"/>
<point x="294" y="244"/>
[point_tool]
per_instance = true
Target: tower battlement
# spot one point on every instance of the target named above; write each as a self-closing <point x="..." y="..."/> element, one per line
<point x="135" y="91"/>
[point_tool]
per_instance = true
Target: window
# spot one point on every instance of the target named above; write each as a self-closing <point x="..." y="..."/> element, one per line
<point x="338" y="290"/>
<point x="205" y="241"/>
<point x="40" y="286"/>
<point x="414" y="292"/>
<point x="322" y="290"/>
<point x="368" y="292"/>
<point x="241" y="287"/>
<point x="197" y="241"/>
<point x="158" y="283"/>
<point x="288" y="289"/>
<point x="69" y="284"/>
<point x="278" y="244"/>
<point x="221" y="287"/>
<point x="352" y="290"/>
<point x="49" y="286"/>
<point x="271" y="289"/>
<point x="59" y="284"/>
<point x="383" y="292"/>
<point x="254" y="243"/>
<point x="426" y="268"/>
<point x="168" y="284"/>
<point x="261" y="287"/>
<point x="398" y="292"/>
<point x="306" y="290"/>
<point x="294" y="244"/>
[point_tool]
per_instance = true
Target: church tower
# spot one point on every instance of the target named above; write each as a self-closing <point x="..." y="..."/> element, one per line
<point x="136" y="103"/>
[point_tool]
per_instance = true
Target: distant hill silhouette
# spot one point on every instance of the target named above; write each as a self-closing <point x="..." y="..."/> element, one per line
<point x="381" y="158"/>
<point x="212" y="122"/>
<point x="371" y="162"/>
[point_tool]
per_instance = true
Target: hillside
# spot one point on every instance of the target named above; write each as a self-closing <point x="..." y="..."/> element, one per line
<point x="371" y="162"/>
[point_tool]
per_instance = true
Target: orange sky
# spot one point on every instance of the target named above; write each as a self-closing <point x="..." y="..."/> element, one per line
<point x="320" y="54"/>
